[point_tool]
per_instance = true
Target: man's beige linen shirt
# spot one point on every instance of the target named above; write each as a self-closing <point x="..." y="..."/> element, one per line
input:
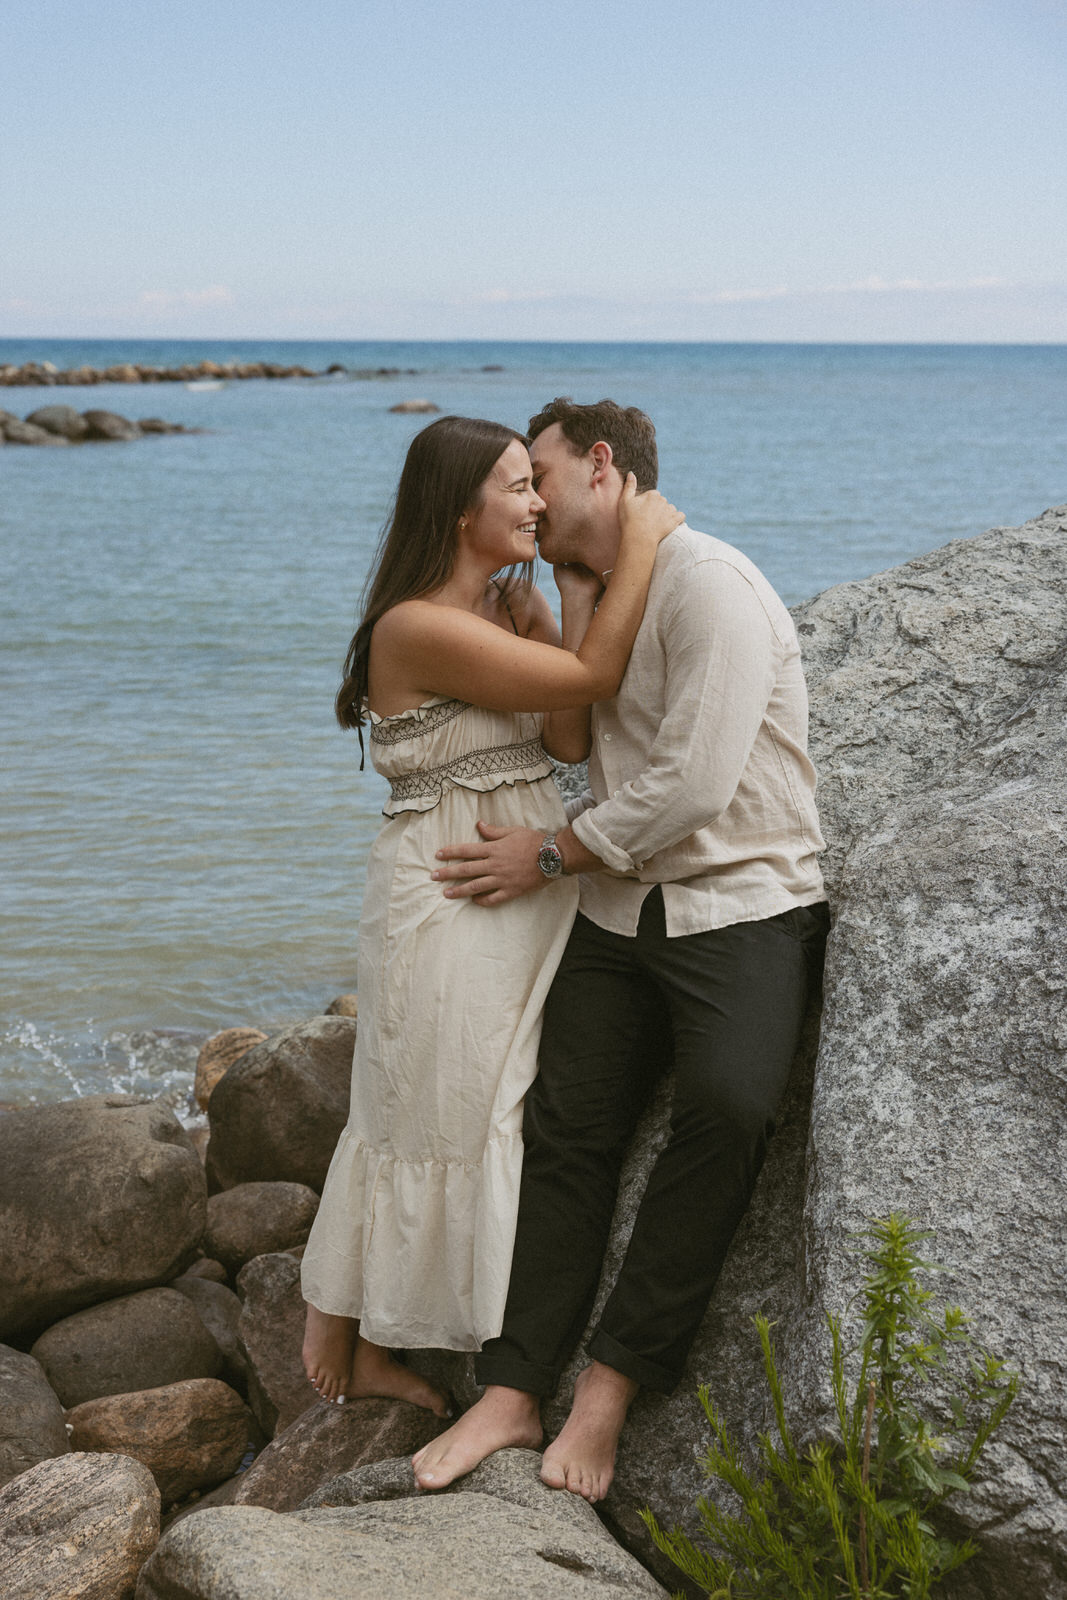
<point x="699" y="776"/>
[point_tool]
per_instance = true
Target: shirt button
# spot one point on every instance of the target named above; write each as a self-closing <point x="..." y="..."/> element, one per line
<point x="607" y="738"/>
<point x="617" y="793"/>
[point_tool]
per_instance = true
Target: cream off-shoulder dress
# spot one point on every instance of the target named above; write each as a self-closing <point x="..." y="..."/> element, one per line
<point x="416" y="1226"/>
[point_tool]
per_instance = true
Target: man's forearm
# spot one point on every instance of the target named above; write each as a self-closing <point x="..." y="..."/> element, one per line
<point x="576" y="858"/>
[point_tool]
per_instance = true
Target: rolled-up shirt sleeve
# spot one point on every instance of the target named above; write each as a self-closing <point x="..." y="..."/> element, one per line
<point x="722" y="658"/>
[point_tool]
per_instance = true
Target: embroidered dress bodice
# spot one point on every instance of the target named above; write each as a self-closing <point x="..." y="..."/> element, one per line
<point x="447" y="743"/>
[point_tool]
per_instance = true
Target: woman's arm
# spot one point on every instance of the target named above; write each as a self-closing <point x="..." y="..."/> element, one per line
<point x="444" y="650"/>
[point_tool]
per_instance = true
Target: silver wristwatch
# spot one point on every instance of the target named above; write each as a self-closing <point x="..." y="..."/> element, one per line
<point x="549" y="858"/>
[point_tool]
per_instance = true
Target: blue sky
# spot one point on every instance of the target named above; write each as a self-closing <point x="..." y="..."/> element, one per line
<point x="671" y="169"/>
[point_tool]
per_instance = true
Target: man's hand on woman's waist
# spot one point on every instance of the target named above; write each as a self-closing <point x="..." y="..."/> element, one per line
<point x="504" y="866"/>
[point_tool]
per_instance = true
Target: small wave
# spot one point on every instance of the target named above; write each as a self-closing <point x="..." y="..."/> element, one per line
<point x="39" y="1066"/>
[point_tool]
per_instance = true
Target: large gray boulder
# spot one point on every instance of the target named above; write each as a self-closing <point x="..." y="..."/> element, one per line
<point x="81" y="1525"/>
<point x="279" y="1111"/>
<point x="140" y="1341"/>
<point x="97" y="1197"/>
<point x="477" y="1544"/>
<point x="32" y="1427"/>
<point x="938" y="706"/>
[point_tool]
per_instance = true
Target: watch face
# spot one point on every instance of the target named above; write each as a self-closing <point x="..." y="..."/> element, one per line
<point x="550" y="861"/>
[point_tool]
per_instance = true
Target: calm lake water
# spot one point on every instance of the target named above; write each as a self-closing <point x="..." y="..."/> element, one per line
<point x="183" y="825"/>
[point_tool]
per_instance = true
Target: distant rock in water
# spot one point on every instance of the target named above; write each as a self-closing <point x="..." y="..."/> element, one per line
<point x="415" y="406"/>
<point x="61" y="420"/>
<point x="51" y="425"/>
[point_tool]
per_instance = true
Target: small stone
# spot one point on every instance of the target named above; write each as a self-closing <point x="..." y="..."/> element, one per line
<point x="346" y="1005"/>
<point x="255" y="1219"/>
<point x="217" y="1055"/>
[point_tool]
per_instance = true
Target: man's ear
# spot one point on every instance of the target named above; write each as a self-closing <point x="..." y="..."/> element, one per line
<point x="602" y="458"/>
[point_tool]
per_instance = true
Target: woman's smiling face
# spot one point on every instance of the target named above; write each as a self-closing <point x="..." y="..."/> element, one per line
<point x="503" y="524"/>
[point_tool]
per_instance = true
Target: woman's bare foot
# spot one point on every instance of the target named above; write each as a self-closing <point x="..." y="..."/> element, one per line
<point x="328" y="1346"/>
<point x="582" y="1459"/>
<point x="376" y="1371"/>
<point x="500" y="1418"/>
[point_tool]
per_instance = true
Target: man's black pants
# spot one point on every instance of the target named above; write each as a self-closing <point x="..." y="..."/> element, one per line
<point x="724" y="1009"/>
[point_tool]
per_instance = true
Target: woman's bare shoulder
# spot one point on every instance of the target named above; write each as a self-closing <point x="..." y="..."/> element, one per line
<point x="527" y="606"/>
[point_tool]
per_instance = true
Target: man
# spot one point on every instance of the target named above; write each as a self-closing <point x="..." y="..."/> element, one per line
<point x="701" y="930"/>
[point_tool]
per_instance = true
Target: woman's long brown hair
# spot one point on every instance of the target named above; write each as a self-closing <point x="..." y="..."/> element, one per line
<point x="446" y="466"/>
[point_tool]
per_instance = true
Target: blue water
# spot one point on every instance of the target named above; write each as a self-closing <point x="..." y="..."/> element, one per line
<point x="183" y="827"/>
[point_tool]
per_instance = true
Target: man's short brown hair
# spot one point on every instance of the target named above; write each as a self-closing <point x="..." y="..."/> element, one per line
<point x="628" y="431"/>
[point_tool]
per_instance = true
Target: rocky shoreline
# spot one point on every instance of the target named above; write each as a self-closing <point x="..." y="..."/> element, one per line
<point x="45" y="374"/>
<point x="149" y="1296"/>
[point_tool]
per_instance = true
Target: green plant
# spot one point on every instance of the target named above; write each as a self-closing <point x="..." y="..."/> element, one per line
<point x="852" y="1516"/>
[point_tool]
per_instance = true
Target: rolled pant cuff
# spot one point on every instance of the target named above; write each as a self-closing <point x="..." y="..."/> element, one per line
<point x="514" y="1373"/>
<point x="649" y="1374"/>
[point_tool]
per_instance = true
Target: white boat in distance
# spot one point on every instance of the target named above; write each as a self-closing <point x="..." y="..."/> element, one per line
<point x="206" y="383"/>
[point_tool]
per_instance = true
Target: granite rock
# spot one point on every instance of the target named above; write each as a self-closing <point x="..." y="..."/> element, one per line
<point x="140" y="1341"/>
<point x="218" y="1054"/>
<point x="256" y="1219"/>
<point x="220" y="1311"/>
<point x="81" y="1525"/>
<point x="472" y="1544"/>
<point x="190" y="1435"/>
<point x="98" y="1197"/>
<point x="279" y="1111"/>
<point x="32" y="1427"/>
<point x="328" y="1439"/>
<point x="271" y="1334"/>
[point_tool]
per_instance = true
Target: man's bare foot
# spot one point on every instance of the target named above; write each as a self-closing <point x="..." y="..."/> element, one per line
<point x="328" y="1345"/>
<point x="582" y="1459"/>
<point x="502" y="1417"/>
<point x="376" y="1371"/>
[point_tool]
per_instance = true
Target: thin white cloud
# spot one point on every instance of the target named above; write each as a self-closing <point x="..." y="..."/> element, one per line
<point x="874" y="285"/>
<point x="174" y="299"/>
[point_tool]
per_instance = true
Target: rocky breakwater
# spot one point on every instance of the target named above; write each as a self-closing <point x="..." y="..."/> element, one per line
<point x="63" y="425"/>
<point x="45" y="374"/>
<point x="151" y="1332"/>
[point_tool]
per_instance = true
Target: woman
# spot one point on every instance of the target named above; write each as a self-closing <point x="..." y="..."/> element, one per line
<point x="467" y="693"/>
